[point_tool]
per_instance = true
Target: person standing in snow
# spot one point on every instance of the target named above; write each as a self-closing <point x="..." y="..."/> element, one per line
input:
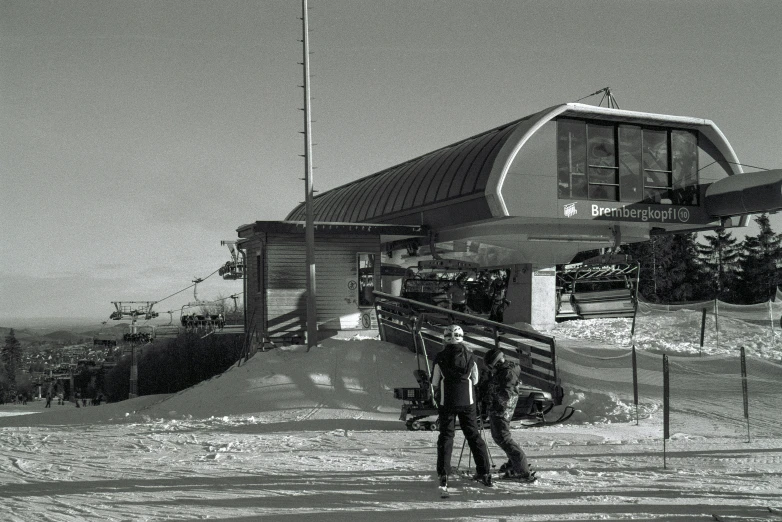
<point x="454" y="377"/>
<point x="501" y="398"/>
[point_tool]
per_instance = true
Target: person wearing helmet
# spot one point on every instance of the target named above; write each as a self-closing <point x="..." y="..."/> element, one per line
<point x="454" y="377"/>
<point x="502" y="396"/>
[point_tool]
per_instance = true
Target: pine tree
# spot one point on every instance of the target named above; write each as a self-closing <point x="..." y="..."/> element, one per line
<point x="643" y="252"/>
<point x="719" y="261"/>
<point x="683" y="273"/>
<point x="669" y="268"/>
<point x="11" y="356"/>
<point x="759" y="263"/>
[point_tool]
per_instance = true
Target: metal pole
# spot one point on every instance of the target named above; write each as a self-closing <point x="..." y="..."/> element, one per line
<point x="666" y="407"/>
<point x="133" y="391"/>
<point x="717" y="320"/>
<point x="635" y="384"/>
<point x="309" y="231"/>
<point x="745" y="390"/>
<point x="703" y="330"/>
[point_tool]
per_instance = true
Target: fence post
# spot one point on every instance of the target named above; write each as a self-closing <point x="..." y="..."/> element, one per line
<point x="666" y="406"/>
<point x="635" y="386"/>
<point x="745" y="389"/>
<point x="703" y="330"/>
<point x="771" y="321"/>
<point x="717" y="319"/>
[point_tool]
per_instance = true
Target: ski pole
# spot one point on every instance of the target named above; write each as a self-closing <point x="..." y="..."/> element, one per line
<point x="483" y="435"/>
<point x="460" y="455"/>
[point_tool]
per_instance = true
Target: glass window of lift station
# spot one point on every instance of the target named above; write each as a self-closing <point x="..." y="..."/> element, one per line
<point x="571" y="159"/>
<point x="612" y="162"/>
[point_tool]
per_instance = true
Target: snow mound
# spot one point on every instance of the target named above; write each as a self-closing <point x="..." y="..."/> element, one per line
<point x="677" y="332"/>
<point x="349" y="376"/>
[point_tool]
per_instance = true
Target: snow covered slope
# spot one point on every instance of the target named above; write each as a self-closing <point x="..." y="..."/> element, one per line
<point x="292" y="434"/>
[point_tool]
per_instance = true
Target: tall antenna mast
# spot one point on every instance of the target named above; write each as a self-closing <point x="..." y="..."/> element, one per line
<point x="309" y="231"/>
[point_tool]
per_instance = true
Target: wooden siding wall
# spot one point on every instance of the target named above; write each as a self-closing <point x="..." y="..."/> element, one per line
<point x="256" y="302"/>
<point x="283" y="289"/>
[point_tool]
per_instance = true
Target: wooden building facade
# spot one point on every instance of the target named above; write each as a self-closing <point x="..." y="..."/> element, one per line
<point x="348" y="263"/>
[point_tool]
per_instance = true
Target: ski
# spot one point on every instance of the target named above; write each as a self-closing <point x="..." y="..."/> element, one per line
<point x="542" y="421"/>
<point x="523" y="480"/>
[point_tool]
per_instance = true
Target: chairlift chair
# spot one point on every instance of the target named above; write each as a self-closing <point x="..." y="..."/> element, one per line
<point x="611" y="292"/>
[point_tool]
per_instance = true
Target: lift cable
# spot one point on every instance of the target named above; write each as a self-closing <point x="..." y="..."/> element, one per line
<point x="189" y="287"/>
<point x="192" y="305"/>
<point x="733" y="163"/>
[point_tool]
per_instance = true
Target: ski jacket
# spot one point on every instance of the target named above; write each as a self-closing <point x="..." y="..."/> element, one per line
<point x="457" y="294"/>
<point x="455" y="374"/>
<point x="503" y="389"/>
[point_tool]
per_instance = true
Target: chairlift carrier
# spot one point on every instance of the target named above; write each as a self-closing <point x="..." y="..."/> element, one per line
<point x="235" y="268"/>
<point x="434" y="278"/>
<point x="609" y="271"/>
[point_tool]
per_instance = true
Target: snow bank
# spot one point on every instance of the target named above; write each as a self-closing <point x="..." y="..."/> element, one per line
<point x="338" y="379"/>
<point x="677" y="332"/>
<point x="354" y="379"/>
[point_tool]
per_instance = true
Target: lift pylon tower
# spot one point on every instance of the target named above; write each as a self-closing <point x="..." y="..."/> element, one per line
<point x="134" y="310"/>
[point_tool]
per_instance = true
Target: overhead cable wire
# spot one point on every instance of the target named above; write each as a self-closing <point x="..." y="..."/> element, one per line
<point x="193" y="305"/>
<point x="189" y="287"/>
<point x="175" y="293"/>
<point x="733" y="163"/>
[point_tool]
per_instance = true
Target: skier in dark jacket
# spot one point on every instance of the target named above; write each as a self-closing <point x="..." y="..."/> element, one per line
<point x="454" y="377"/>
<point x="501" y="402"/>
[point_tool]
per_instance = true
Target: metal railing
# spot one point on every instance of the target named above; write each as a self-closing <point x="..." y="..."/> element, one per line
<point x="406" y="322"/>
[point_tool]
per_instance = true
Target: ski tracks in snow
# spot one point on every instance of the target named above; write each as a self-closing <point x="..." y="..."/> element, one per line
<point x="237" y="468"/>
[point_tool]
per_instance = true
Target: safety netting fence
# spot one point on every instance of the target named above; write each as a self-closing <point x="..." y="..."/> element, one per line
<point x="705" y="393"/>
<point x="709" y="327"/>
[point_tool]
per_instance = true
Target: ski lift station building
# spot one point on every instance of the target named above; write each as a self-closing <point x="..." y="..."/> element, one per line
<point x="524" y="196"/>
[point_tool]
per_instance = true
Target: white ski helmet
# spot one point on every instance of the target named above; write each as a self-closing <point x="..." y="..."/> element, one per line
<point x="453" y="334"/>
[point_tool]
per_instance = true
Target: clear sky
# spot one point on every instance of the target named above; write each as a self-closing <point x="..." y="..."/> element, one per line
<point x="135" y="135"/>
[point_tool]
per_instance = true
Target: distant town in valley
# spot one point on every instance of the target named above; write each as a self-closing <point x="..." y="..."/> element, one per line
<point x="54" y="350"/>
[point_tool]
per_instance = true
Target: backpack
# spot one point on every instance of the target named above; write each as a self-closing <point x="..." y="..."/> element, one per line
<point x="456" y="362"/>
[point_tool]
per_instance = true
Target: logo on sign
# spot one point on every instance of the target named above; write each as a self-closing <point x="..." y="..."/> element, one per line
<point x="570" y="210"/>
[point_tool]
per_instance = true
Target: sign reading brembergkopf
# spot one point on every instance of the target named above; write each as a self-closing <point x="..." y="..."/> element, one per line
<point x="606" y="210"/>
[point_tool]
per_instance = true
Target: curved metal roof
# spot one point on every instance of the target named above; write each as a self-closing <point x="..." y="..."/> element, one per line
<point x="453" y="173"/>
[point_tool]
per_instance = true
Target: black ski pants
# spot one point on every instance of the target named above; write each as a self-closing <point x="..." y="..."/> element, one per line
<point x="500" y="433"/>
<point x="468" y="423"/>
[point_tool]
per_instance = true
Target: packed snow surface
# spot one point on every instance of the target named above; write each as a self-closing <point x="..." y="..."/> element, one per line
<point x="298" y="435"/>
